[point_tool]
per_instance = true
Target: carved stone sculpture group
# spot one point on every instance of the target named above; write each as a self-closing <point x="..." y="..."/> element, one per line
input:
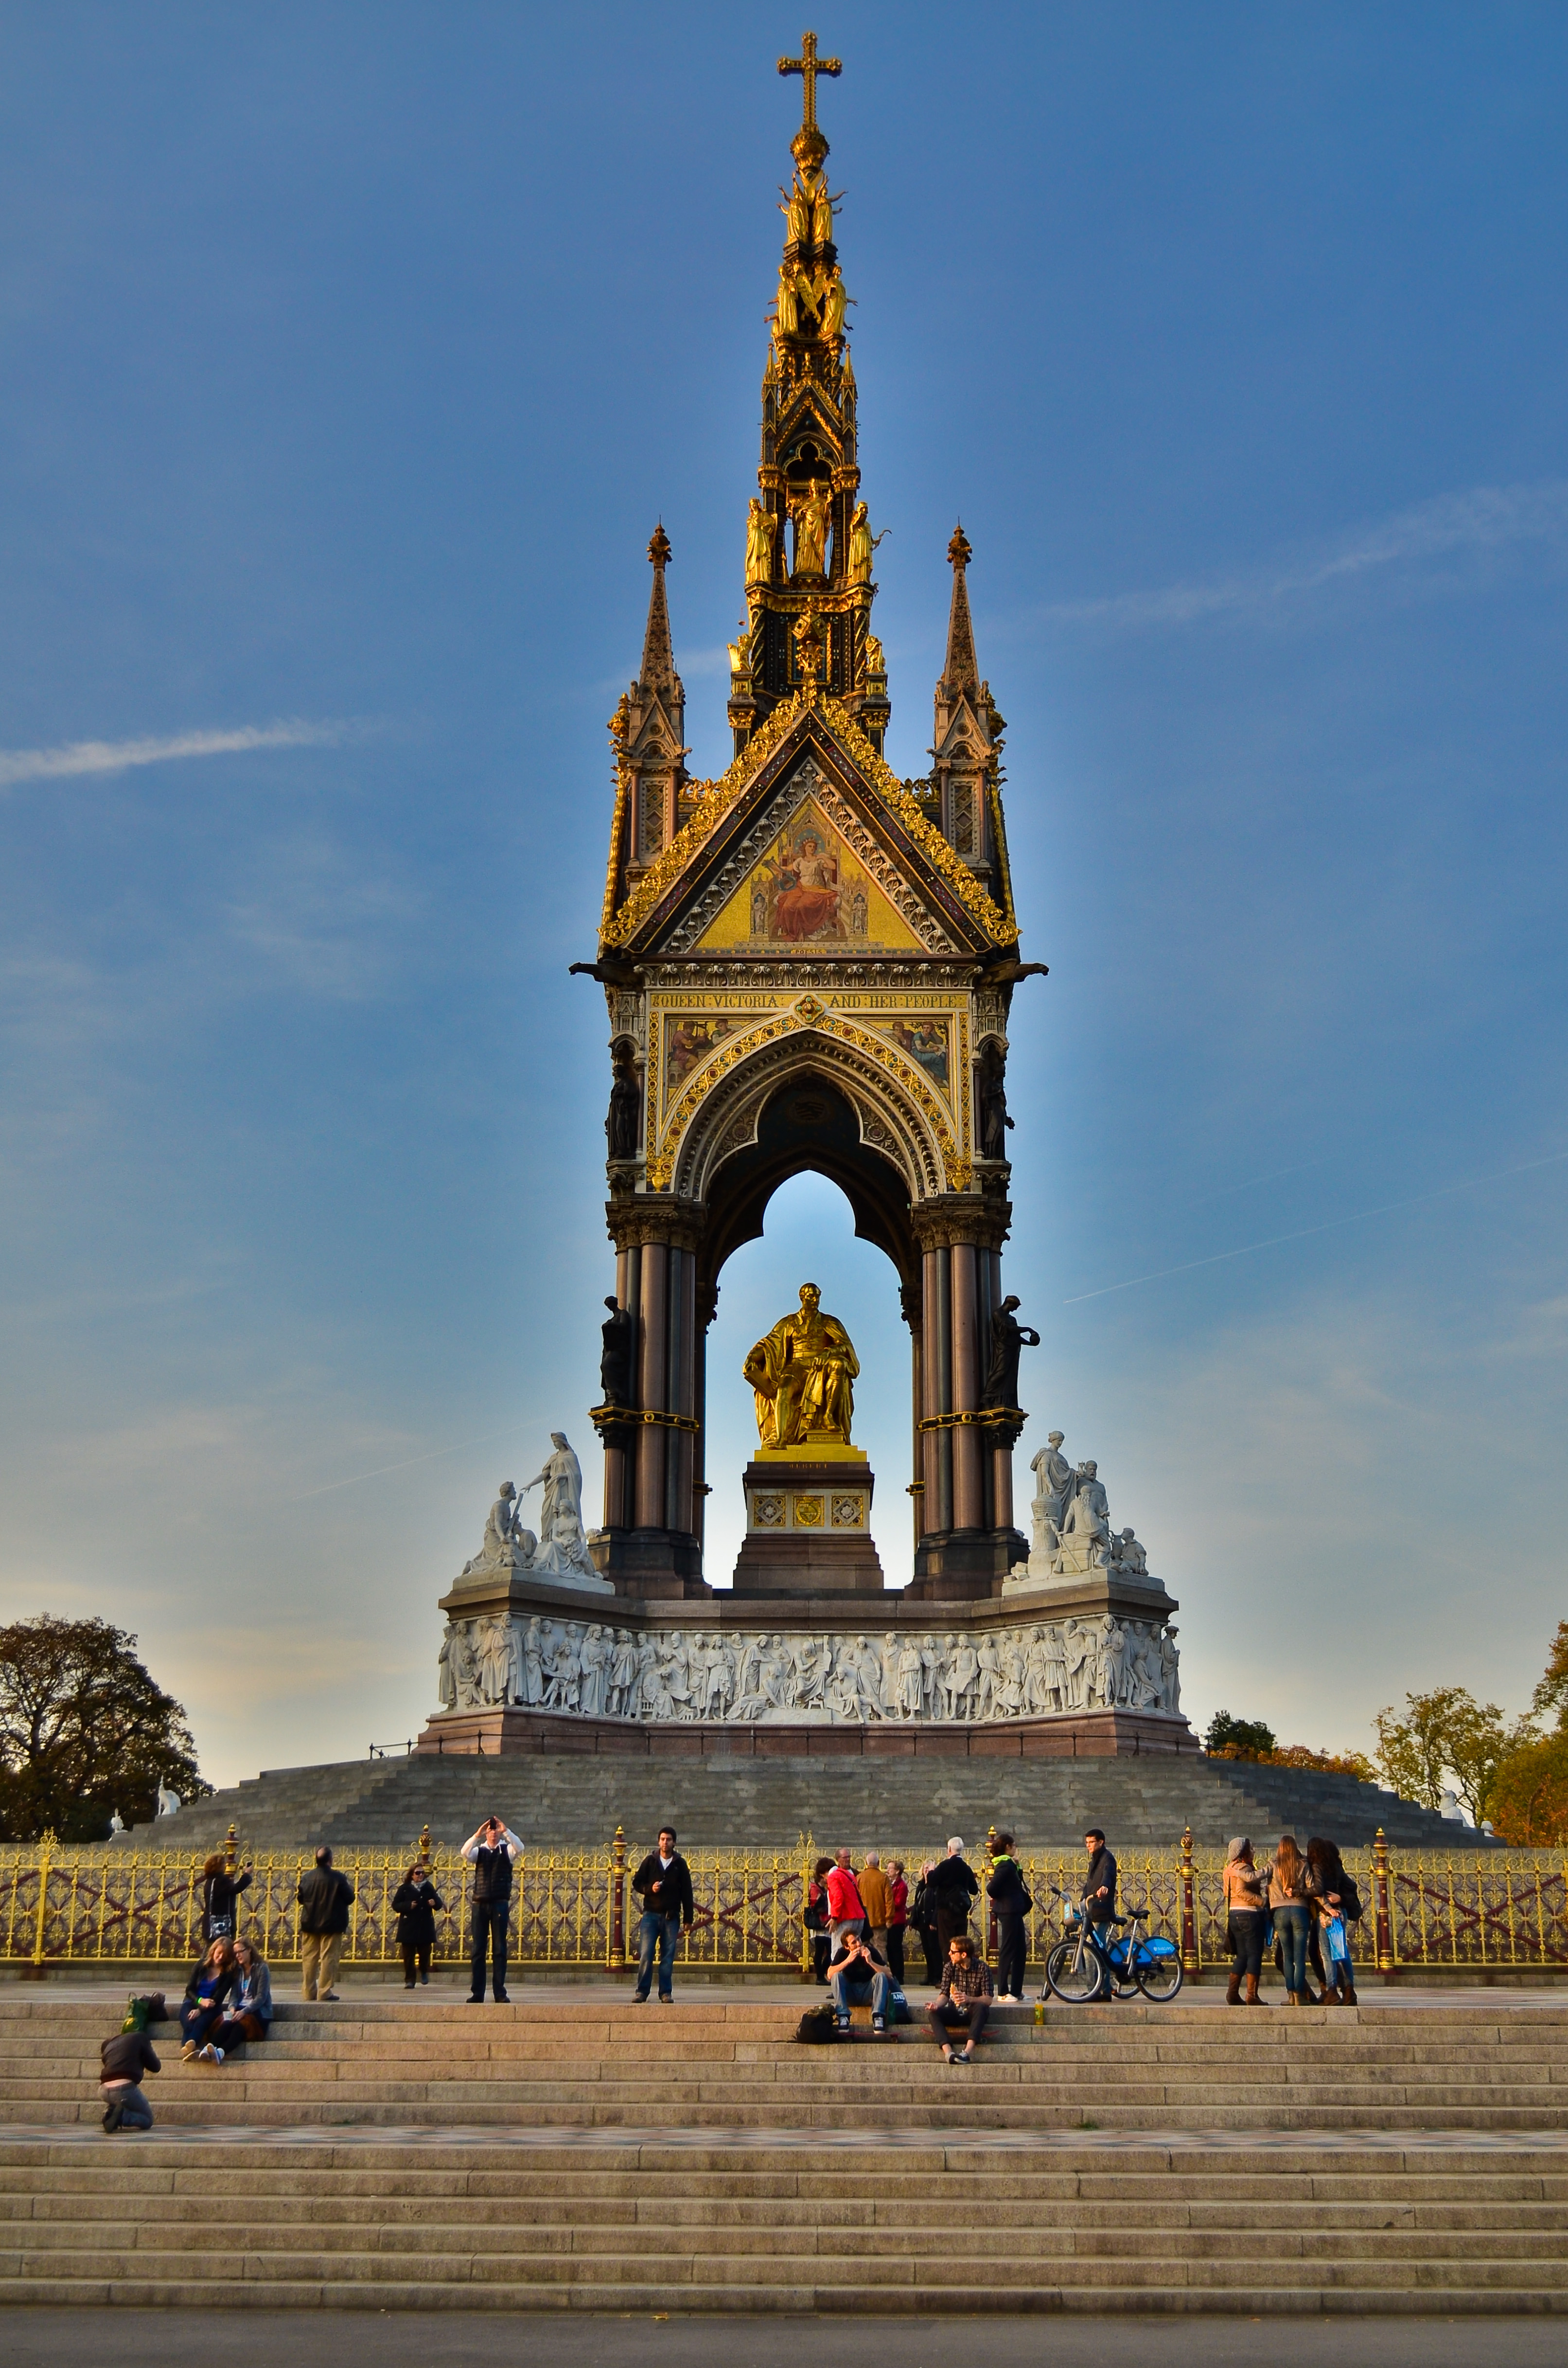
<point x="1041" y="1669"/>
<point x="1072" y="1535"/>
<point x="560" y="1550"/>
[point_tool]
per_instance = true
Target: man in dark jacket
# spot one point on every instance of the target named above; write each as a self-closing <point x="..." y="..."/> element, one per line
<point x="124" y="2059"/>
<point x="663" y="1883"/>
<point x="325" y="1898"/>
<point x="952" y="1885"/>
<point x="1009" y="1897"/>
<point x="490" y="1852"/>
<point x="1100" y="1883"/>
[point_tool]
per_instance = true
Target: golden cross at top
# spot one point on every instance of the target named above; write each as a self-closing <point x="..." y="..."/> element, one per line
<point x="808" y="66"/>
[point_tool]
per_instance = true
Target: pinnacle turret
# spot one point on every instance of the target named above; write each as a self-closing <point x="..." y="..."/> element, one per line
<point x="658" y="654"/>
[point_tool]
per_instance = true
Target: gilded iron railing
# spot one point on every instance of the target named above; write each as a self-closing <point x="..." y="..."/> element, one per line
<point x="1475" y="1912"/>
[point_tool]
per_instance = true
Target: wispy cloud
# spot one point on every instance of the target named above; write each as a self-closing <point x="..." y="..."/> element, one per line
<point x="119" y="755"/>
<point x="1488" y="517"/>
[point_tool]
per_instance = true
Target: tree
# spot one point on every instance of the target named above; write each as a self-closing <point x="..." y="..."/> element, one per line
<point x="85" y="1730"/>
<point x="1238" y="1738"/>
<point x="1551" y="1695"/>
<point x="1529" y="1796"/>
<point x="1447" y="1732"/>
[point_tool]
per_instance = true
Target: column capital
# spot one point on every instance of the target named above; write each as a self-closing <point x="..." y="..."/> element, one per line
<point x="640" y="1222"/>
<point x="954" y="1220"/>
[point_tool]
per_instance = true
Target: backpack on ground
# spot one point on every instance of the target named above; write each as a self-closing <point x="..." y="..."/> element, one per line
<point x="140" y="2011"/>
<point x="898" y="2006"/>
<point x="818" y="2027"/>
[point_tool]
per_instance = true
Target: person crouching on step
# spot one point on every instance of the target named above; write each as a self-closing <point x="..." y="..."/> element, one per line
<point x="963" y="2001"/>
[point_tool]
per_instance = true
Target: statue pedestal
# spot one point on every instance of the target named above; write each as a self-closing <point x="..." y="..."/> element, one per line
<point x="808" y="1525"/>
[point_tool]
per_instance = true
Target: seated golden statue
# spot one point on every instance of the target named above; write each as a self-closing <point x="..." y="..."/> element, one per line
<point x="802" y="1373"/>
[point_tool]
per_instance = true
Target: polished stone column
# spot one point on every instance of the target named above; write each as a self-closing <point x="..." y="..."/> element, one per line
<point x="968" y="1543"/>
<point x="650" y="1458"/>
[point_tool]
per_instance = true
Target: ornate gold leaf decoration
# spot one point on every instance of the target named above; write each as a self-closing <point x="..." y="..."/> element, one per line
<point x="1000" y="927"/>
<point x="715" y="800"/>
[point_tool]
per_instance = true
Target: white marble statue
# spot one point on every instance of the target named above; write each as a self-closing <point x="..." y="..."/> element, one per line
<point x="1038" y="1669"/>
<point x="116" y="1823"/>
<point x="508" y="1545"/>
<point x="167" y="1804"/>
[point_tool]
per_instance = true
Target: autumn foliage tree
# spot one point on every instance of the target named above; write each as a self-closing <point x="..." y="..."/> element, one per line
<point x="1529" y="1798"/>
<point x="85" y="1730"/>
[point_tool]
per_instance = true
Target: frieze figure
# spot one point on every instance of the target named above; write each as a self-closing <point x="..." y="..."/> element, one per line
<point x="994" y="1121"/>
<point x="762" y="529"/>
<point x="586" y="1669"/>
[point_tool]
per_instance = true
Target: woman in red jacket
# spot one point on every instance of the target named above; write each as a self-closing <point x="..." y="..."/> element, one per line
<point x="898" y="1916"/>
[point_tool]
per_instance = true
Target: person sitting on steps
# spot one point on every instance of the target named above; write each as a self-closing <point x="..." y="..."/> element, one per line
<point x="249" y="2011"/>
<point x="211" y="1979"/>
<point x="963" y="2001"/>
<point x="857" y="1972"/>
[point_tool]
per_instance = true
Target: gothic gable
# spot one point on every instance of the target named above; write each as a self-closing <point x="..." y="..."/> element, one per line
<point x="816" y="849"/>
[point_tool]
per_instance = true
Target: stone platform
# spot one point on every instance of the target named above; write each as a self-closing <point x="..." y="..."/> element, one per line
<point x="574" y="2152"/>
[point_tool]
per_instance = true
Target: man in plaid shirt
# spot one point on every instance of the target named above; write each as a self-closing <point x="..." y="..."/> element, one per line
<point x="964" y="1999"/>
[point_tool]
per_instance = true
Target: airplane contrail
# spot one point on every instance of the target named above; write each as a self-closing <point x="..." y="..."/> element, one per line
<point x="1330" y="1224"/>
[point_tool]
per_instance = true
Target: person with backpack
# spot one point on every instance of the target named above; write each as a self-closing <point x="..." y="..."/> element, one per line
<point x="491" y="1850"/>
<point x="1337" y="1904"/>
<point x="814" y="1916"/>
<point x="1011" y="1901"/>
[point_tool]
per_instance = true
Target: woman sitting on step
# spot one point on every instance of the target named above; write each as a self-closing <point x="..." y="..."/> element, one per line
<point x="249" y="2013"/>
<point x="417" y="1906"/>
<point x="1246" y="1897"/>
<point x="211" y="1979"/>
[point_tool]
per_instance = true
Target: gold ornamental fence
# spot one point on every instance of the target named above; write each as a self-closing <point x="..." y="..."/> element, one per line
<point x="1476" y="1911"/>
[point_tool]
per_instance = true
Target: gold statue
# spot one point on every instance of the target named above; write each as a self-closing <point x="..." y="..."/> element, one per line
<point x="822" y="212"/>
<point x="798" y="215"/>
<point x="787" y="321"/>
<point x="740" y="649"/>
<point x="802" y="1373"/>
<point x="831" y="306"/>
<point x="809" y="512"/>
<point x="875" y="662"/>
<point x="861" y="546"/>
<point x="761" y="528"/>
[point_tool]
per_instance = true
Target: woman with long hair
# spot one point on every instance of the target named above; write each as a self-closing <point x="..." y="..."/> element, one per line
<point x="898" y="1916"/>
<point x="211" y="1978"/>
<point x="1245" y="1899"/>
<point x="220" y="1890"/>
<point x="1292" y="1916"/>
<point x="1328" y="1891"/>
<point x="249" y="2011"/>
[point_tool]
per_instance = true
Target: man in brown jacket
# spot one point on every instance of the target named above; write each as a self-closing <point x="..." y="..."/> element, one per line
<point x="873" y="1886"/>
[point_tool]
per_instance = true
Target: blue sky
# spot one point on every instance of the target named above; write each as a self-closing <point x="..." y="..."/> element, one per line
<point x="348" y="359"/>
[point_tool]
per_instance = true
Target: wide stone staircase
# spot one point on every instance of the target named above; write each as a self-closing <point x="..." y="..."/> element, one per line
<point x="576" y="2151"/>
<point x="574" y="1802"/>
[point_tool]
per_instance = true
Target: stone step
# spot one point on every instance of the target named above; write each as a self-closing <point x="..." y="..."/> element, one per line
<point x="574" y="1800"/>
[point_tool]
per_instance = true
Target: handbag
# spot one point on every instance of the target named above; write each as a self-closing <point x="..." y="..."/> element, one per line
<point x="1338" y="1946"/>
<point x="818" y="2027"/>
<point x="1350" y="1905"/>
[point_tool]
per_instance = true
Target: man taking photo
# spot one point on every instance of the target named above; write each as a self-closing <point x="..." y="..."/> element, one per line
<point x="490" y="1853"/>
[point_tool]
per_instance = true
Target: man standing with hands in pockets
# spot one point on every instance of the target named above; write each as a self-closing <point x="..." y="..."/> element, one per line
<point x="663" y="1883"/>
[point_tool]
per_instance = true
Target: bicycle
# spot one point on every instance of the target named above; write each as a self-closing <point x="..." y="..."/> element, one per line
<point x="1079" y="1969"/>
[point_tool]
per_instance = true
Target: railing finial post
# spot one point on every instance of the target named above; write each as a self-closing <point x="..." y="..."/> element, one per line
<point x="1189" y="1954"/>
<point x="618" y="1901"/>
<point x="1384" y="1907"/>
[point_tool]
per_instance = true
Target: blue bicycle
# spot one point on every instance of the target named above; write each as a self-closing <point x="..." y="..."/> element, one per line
<point x="1083" y="1965"/>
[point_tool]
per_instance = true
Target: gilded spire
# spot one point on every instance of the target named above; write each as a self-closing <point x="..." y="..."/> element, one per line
<point x="960" y="671"/>
<point x="658" y="654"/>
